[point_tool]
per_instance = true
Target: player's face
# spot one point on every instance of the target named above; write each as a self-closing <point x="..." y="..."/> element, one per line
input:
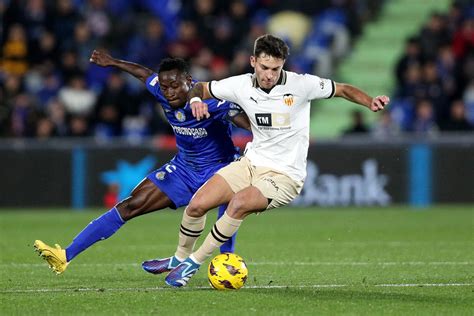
<point x="175" y="86"/>
<point x="267" y="69"/>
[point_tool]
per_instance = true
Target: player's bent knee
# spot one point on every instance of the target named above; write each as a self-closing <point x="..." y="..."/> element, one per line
<point x="196" y="208"/>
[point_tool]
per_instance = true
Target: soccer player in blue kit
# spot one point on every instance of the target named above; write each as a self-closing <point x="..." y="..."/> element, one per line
<point x="204" y="146"/>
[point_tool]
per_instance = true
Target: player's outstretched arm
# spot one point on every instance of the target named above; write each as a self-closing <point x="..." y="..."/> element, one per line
<point x="199" y="92"/>
<point x="103" y="59"/>
<point x="356" y="95"/>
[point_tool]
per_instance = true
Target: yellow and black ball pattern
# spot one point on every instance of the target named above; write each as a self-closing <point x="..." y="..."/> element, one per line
<point x="227" y="271"/>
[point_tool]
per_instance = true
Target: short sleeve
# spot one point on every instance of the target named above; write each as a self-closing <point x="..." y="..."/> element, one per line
<point x="319" y="88"/>
<point x="153" y="84"/>
<point x="225" y="89"/>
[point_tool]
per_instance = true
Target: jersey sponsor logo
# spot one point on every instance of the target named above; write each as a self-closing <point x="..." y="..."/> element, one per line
<point x="273" y="120"/>
<point x="154" y="81"/>
<point x="263" y="119"/>
<point x="160" y="175"/>
<point x="281" y="119"/>
<point x="180" y="116"/>
<point x="190" y="131"/>
<point x="321" y="84"/>
<point x="288" y="99"/>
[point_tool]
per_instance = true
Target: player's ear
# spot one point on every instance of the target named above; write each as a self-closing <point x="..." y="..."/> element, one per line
<point x="253" y="60"/>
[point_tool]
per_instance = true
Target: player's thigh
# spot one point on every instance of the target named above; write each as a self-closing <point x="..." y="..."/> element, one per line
<point x="277" y="187"/>
<point x="237" y="174"/>
<point x="214" y="192"/>
<point x="247" y="201"/>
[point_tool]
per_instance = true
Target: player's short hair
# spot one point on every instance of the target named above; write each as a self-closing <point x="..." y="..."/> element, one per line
<point x="272" y="46"/>
<point x="174" y="63"/>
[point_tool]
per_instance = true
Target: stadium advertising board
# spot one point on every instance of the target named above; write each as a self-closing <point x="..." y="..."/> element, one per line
<point x="338" y="174"/>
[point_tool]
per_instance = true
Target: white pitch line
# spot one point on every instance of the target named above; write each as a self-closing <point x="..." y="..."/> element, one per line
<point x="314" y="286"/>
<point x="273" y="263"/>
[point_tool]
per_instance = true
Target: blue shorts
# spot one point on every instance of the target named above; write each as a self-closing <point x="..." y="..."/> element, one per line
<point x="179" y="181"/>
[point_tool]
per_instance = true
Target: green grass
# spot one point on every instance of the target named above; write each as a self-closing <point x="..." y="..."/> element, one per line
<point x="393" y="261"/>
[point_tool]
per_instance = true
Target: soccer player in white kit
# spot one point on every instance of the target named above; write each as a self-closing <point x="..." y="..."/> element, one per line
<point x="273" y="169"/>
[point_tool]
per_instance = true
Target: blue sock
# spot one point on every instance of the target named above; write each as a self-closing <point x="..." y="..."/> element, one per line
<point x="229" y="245"/>
<point x="99" y="229"/>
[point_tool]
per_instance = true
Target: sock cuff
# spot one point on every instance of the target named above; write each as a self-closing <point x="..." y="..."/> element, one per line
<point x="193" y="220"/>
<point x="193" y="258"/>
<point x="117" y="213"/>
<point x="231" y="221"/>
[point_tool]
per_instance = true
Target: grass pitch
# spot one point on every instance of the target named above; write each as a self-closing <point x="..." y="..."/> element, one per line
<point x="301" y="262"/>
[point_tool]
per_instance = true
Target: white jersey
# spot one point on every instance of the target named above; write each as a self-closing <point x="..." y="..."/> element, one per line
<point x="279" y="119"/>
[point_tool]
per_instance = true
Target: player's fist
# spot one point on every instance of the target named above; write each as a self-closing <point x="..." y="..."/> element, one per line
<point x="101" y="58"/>
<point x="379" y="102"/>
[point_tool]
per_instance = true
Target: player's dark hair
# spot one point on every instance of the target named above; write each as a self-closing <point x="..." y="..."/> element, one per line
<point x="272" y="46"/>
<point x="174" y="63"/>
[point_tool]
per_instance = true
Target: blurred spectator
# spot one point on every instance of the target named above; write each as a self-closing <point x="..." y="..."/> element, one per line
<point x="49" y="88"/>
<point x="433" y="90"/>
<point x="65" y="18"/>
<point x="385" y="127"/>
<point x="44" y="128"/>
<point x="201" y="63"/>
<point x="22" y="116"/>
<point x="97" y="18"/>
<point x="358" y="125"/>
<point x="69" y="66"/>
<point x="46" y="53"/>
<point x="424" y="123"/>
<point x="412" y="56"/>
<point x="36" y="18"/>
<point x="84" y="43"/>
<point x="434" y="35"/>
<point x="463" y="39"/>
<point x="148" y="48"/>
<point x="468" y="99"/>
<point x="75" y="96"/>
<point x="79" y="126"/>
<point x="279" y="23"/>
<point x="457" y="120"/>
<point x="57" y="114"/>
<point x="15" y="51"/>
<point x="188" y="44"/>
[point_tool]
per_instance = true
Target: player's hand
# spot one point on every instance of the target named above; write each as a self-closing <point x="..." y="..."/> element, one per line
<point x="199" y="110"/>
<point x="101" y="58"/>
<point x="379" y="102"/>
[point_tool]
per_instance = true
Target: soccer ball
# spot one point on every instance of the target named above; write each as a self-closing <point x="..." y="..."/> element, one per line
<point x="227" y="271"/>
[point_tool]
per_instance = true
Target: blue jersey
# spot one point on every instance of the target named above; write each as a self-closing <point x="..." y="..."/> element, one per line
<point x="204" y="146"/>
<point x="200" y="143"/>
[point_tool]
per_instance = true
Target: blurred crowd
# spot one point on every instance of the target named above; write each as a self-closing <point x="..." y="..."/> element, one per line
<point x="50" y="89"/>
<point x="435" y="75"/>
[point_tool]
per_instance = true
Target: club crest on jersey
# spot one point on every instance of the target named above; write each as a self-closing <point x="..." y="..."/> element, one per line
<point x="180" y="116"/>
<point x="288" y="99"/>
<point x="160" y="175"/>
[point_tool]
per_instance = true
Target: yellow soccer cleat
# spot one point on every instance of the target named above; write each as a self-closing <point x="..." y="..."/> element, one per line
<point x="56" y="257"/>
